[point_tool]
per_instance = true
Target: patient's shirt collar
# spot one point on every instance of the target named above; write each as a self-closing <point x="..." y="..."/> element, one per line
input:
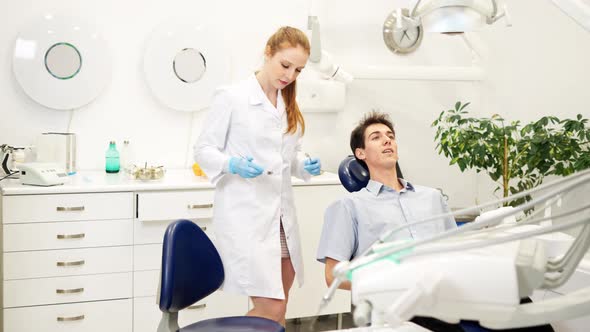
<point x="376" y="187"/>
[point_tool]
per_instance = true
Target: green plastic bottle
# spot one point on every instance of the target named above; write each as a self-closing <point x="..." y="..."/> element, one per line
<point x="113" y="163"/>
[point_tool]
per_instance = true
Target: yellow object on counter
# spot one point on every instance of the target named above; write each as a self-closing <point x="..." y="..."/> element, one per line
<point x="197" y="170"/>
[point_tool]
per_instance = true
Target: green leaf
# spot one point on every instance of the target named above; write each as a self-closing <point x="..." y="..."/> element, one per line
<point x="462" y="164"/>
<point x="464" y="105"/>
<point x="535" y="149"/>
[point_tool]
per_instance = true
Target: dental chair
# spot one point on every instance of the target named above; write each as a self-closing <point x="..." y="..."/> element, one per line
<point x="192" y="270"/>
<point x="354" y="176"/>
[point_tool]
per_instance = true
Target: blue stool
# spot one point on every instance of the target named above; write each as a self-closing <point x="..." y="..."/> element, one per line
<point x="192" y="270"/>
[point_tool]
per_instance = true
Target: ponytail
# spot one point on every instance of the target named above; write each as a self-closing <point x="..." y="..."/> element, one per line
<point x="294" y="116"/>
<point x="291" y="37"/>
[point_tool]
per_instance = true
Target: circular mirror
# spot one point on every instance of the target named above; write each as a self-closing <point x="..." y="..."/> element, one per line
<point x="189" y="65"/>
<point x="63" y="61"/>
<point x="48" y="57"/>
<point x="184" y="63"/>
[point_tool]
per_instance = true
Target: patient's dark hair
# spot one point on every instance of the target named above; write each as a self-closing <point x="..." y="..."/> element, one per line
<point x="357" y="136"/>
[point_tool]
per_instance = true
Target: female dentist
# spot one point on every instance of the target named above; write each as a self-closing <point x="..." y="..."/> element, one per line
<point x="249" y="148"/>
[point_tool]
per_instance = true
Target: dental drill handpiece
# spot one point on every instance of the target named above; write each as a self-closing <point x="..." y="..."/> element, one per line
<point x="326" y="300"/>
<point x="339" y="272"/>
<point x="330" y="293"/>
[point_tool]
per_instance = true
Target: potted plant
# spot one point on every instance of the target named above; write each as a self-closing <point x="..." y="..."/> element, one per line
<point x="517" y="157"/>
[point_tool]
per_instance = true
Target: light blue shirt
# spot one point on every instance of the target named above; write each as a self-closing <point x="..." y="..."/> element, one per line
<point x="356" y="221"/>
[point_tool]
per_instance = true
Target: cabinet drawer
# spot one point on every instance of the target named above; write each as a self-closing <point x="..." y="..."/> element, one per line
<point x="63" y="235"/>
<point x="67" y="207"/>
<point x="26" y="292"/>
<point x="61" y="263"/>
<point x="146" y="313"/>
<point x="147" y="257"/>
<point x="111" y="316"/>
<point x="174" y="205"/>
<point x="147" y="232"/>
<point x="145" y="283"/>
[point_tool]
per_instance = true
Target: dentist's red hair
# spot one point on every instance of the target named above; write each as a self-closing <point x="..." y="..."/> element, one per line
<point x="287" y="37"/>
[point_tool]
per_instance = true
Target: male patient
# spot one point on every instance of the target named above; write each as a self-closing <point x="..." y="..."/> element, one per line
<point x="354" y="222"/>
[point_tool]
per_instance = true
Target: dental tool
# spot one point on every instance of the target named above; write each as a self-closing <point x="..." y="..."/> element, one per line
<point x="266" y="172"/>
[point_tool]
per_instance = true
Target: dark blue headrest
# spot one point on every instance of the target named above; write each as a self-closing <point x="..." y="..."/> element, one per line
<point x="191" y="266"/>
<point x="352" y="174"/>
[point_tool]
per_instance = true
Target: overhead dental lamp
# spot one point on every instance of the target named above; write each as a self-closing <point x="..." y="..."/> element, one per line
<point x="404" y="28"/>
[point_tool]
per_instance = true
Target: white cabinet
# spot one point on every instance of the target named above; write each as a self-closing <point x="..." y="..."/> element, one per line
<point x="46" y="208"/>
<point x="193" y="204"/>
<point x="64" y="235"/>
<point x="87" y="257"/>
<point x="61" y="263"/>
<point x="101" y="316"/>
<point x="310" y="204"/>
<point x="67" y="262"/>
<point x="155" y="211"/>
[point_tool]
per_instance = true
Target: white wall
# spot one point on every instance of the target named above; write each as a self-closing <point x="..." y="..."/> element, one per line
<point x="539" y="66"/>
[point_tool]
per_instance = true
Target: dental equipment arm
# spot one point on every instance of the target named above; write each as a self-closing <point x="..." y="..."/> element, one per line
<point x="500" y="274"/>
<point x="321" y="60"/>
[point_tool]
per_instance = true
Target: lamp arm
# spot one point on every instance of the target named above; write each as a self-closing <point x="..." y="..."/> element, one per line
<point x="313" y="23"/>
<point x="415" y="8"/>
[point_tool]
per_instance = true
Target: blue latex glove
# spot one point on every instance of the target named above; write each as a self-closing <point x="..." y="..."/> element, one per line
<point x="312" y="165"/>
<point x="244" y="167"/>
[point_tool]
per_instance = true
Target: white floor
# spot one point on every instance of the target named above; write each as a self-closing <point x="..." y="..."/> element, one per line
<point x="322" y="323"/>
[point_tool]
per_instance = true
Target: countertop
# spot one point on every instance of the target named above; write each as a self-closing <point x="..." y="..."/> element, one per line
<point x="100" y="181"/>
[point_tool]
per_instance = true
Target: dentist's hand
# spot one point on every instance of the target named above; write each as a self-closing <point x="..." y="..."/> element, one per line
<point x="312" y="165"/>
<point x="244" y="167"/>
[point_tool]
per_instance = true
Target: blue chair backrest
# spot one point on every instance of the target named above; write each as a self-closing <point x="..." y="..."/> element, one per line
<point x="191" y="266"/>
<point x="354" y="176"/>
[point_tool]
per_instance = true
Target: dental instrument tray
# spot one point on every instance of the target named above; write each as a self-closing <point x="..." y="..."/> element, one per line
<point x="146" y="173"/>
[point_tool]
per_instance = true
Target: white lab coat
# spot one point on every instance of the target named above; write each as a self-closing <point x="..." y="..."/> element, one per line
<point x="247" y="212"/>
